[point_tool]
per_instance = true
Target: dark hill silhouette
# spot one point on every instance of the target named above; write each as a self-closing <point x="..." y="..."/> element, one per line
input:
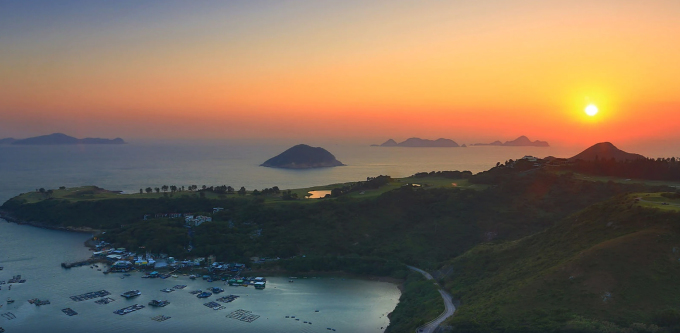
<point x="63" y="139"/>
<point x="605" y="151"/>
<point x="389" y="143"/>
<point x="522" y="141"/>
<point x="303" y="157"/>
<point x="7" y="141"/>
<point x="418" y="142"/>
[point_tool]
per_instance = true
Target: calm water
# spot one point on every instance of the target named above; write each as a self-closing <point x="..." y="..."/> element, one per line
<point x="346" y="305"/>
<point x="134" y="166"/>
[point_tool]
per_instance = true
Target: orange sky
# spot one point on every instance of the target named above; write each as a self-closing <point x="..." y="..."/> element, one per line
<point x="350" y="70"/>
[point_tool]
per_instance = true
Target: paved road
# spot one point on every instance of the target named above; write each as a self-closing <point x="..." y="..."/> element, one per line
<point x="448" y="303"/>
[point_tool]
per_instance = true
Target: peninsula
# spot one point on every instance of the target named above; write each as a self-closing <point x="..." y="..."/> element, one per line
<point x="418" y="142"/>
<point x="303" y="157"/>
<point x="522" y="141"/>
<point x="61" y="139"/>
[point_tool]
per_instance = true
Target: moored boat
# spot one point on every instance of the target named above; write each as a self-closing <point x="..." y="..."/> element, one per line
<point x="131" y="293"/>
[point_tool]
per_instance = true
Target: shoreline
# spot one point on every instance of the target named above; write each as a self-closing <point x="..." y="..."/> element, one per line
<point x="399" y="283"/>
<point x="10" y="219"/>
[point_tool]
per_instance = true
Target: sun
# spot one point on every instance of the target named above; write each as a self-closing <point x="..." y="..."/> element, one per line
<point x="591" y="110"/>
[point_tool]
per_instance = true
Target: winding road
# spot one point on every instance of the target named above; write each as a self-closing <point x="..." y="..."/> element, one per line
<point x="448" y="304"/>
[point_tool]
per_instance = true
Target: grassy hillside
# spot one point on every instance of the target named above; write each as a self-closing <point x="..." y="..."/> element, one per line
<point x="424" y="225"/>
<point x="612" y="267"/>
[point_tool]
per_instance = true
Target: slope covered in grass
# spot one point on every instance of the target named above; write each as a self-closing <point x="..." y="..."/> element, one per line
<point x="612" y="267"/>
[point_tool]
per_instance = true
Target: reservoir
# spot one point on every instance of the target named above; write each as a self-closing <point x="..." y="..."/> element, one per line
<point x="347" y="305"/>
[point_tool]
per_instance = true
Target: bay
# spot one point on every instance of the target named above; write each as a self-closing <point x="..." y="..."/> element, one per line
<point x="348" y="305"/>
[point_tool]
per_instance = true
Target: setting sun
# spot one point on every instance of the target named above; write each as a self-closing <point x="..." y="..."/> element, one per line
<point x="591" y="110"/>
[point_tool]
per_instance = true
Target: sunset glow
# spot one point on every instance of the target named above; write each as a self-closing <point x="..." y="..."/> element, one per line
<point x="359" y="70"/>
<point x="591" y="110"/>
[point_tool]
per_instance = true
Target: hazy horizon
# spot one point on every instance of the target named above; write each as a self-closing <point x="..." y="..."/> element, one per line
<point x="472" y="72"/>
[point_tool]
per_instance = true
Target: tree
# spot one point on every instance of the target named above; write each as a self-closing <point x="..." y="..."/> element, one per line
<point x="173" y="188"/>
<point x="230" y="189"/>
<point x="149" y="190"/>
<point x="158" y="190"/>
<point x="49" y="193"/>
<point x="242" y="190"/>
<point x="42" y="190"/>
<point x="141" y="191"/>
<point x="256" y="192"/>
<point x="164" y="188"/>
<point x="204" y="187"/>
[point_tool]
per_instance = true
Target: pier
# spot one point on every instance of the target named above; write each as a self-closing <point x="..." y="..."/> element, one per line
<point x="86" y="262"/>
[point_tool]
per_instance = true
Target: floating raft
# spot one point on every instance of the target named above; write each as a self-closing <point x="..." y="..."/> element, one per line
<point x="89" y="296"/>
<point x="227" y="299"/>
<point x="69" y="312"/>
<point x="9" y="315"/>
<point x="214" y="305"/>
<point x="196" y="292"/>
<point x="16" y="279"/>
<point x="160" y="318"/>
<point x="167" y="290"/>
<point x="106" y="300"/>
<point x="243" y="315"/>
<point x="179" y="286"/>
<point x="129" y="309"/>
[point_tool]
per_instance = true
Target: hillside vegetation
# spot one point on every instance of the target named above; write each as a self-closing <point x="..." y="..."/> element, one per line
<point x="613" y="267"/>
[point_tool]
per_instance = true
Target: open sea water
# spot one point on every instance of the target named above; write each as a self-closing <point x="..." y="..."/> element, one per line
<point x="133" y="166"/>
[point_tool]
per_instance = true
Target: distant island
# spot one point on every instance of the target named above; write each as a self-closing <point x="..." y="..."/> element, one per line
<point x="418" y="142"/>
<point x="522" y="141"/>
<point x="61" y="139"/>
<point x="303" y="157"/>
<point x="605" y="151"/>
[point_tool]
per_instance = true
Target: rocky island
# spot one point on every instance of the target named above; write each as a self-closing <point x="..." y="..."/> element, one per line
<point x="418" y="142"/>
<point x="303" y="157"/>
<point x="522" y="141"/>
<point x="61" y="139"/>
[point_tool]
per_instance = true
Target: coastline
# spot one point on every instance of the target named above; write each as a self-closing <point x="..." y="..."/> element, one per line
<point x="335" y="274"/>
<point x="11" y="219"/>
<point x="399" y="283"/>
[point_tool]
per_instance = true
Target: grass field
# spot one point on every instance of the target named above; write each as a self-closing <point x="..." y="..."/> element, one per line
<point x="96" y="193"/>
<point x="627" y="180"/>
<point x="656" y="200"/>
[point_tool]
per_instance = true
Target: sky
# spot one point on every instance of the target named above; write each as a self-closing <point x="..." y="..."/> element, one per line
<point x="472" y="71"/>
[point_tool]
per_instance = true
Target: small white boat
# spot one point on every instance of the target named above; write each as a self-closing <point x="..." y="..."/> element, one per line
<point x="174" y="275"/>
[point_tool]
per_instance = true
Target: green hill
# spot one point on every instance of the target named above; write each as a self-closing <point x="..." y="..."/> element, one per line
<point x="610" y="268"/>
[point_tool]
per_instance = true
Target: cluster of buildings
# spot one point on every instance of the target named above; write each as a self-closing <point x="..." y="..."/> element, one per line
<point x="124" y="260"/>
<point x="189" y="219"/>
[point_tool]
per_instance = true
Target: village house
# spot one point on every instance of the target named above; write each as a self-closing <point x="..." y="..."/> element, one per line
<point x="196" y="221"/>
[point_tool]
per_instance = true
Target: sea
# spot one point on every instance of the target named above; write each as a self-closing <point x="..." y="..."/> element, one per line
<point x="134" y="166"/>
<point x="346" y="305"/>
